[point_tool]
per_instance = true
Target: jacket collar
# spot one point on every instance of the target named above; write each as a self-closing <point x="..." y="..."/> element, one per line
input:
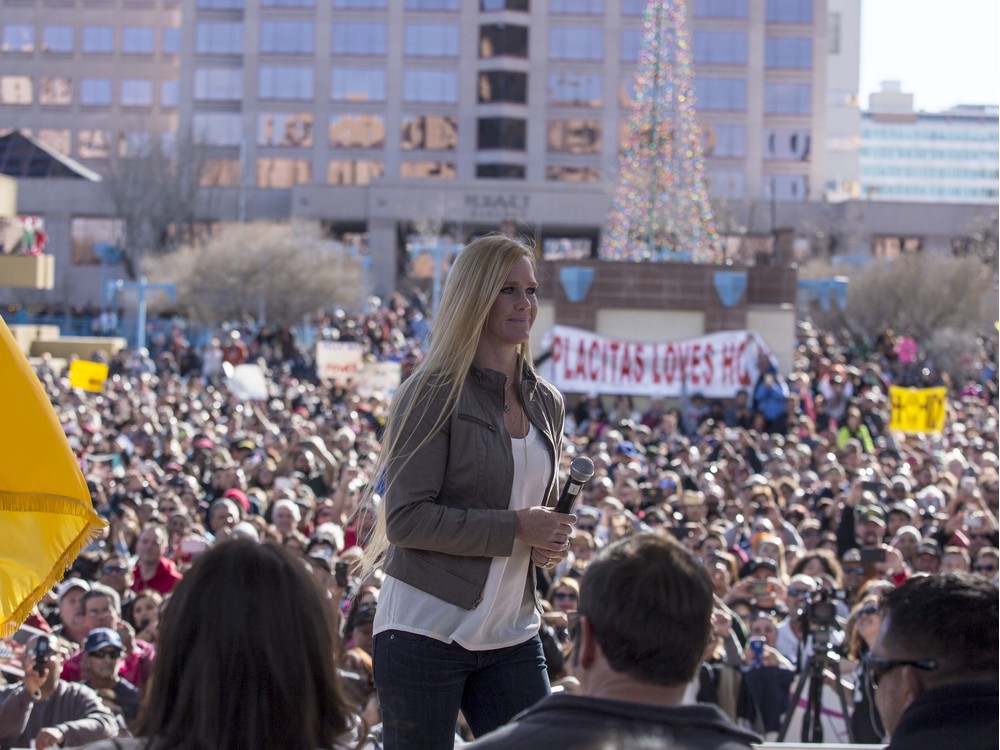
<point x="494" y="381"/>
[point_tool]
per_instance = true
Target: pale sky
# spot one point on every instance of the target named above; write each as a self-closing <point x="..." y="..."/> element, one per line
<point x="945" y="52"/>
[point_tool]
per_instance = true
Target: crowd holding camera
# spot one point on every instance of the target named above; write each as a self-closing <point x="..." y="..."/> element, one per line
<point x="804" y="510"/>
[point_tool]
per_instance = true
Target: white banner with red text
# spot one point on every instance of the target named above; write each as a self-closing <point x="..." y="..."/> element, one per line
<point x="717" y="365"/>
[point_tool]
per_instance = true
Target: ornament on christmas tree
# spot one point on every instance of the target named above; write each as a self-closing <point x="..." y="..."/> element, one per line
<point x="661" y="209"/>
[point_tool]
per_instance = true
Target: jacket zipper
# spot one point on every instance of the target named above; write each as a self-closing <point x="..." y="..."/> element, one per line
<point x="478" y="421"/>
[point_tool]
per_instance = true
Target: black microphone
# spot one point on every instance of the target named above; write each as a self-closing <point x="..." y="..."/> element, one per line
<point x="580" y="471"/>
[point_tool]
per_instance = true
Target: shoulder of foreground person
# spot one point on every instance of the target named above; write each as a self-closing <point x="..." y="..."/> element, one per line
<point x="583" y="722"/>
<point x="132" y="743"/>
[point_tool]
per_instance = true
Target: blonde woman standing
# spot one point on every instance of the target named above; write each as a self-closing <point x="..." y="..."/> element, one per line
<point x="470" y="466"/>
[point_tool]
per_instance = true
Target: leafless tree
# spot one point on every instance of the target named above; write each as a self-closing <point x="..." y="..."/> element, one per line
<point x="157" y="195"/>
<point x="268" y="271"/>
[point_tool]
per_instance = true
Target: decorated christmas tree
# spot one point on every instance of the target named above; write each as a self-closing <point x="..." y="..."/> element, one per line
<point x="661" y="209"/>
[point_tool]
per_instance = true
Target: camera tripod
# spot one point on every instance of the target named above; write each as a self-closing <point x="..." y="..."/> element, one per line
<point x="812" y="726"/>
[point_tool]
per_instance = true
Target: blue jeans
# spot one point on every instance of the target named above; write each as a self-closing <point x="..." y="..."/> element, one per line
<point x="422" y="683"/>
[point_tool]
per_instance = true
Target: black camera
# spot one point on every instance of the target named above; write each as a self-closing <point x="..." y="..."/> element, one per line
<point x="818" y="615"/>
<point x="41" y="654"/>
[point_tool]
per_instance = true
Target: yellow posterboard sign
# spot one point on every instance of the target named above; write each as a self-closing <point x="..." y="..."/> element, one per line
<point x="87" y="375"/>
<point x="918" y="409"/>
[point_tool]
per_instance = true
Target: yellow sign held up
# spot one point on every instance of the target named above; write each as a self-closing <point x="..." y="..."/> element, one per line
<point x="918" y="409"/>
<point x="87" y="375"/>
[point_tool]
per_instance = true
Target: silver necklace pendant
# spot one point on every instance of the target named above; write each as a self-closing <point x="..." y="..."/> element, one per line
<point x="506" y="407"/>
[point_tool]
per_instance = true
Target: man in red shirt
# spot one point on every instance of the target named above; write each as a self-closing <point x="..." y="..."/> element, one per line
<point x="154" y="571"/>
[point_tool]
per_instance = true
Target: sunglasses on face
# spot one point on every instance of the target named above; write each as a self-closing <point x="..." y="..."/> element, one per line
<point x="560" y="595"/>
<point x="114" y="569"/>
<point x="857" y="571"/>
<point x="868" y="612"/>
<point x="879" y="667"/>
<point x="582" y="527"/>
<point x="985" y="568"/>
<point x="798" y="593"/>
<point x="106" y="654"/>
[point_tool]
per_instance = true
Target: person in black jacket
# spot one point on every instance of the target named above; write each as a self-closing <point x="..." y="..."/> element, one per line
<point x="934" y="665"/>
<point x="645" y="620"/>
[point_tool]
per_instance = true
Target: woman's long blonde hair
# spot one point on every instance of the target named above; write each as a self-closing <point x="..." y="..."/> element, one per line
<point x="472" y="287"/>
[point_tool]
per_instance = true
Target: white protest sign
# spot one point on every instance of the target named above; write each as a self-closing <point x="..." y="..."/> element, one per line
<point x="338" y="361"/>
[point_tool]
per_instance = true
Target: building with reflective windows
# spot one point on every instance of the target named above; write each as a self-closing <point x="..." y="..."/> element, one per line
<point x="383" y="118"/>
<point x="940" y="157"/>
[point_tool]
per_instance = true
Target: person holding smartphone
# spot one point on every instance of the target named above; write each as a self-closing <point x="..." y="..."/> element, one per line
<point x="468" y="474"/>
<point x="47" y="710"/>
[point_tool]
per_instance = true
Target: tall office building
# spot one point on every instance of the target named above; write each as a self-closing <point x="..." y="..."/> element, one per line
<point x="940" y="157"/>
<point x="386" y="116"/>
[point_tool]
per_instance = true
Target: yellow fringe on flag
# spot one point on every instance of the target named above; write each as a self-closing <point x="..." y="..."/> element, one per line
<point x="46" y="516"/>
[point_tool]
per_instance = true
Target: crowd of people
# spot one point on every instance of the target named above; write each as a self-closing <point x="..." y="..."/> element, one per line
<point x="791" y="495"/>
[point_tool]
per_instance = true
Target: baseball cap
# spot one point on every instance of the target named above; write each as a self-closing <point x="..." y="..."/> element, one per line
<point x="930" y="547"/>
<point x="871" y="513"/>
<point x="99" y="638"/>
<point x="69" y="584"/>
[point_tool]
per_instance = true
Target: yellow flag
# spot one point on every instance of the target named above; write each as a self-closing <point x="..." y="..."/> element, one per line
<point x="88" y="375"/>
<point x="46" y="516"/>
<point x="918" y="409"/>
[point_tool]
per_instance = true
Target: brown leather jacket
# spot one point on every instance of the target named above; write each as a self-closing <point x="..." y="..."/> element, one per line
<point x="447" y="506"/>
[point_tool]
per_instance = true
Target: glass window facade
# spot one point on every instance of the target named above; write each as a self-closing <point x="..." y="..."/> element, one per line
<point x="218" y="84"/>
<point x="357" y="38"/>
<point x="721" y="94"/>
<point x="137" y="40"/>
<point x="18" y="37"/>
<point x="503" y="40"/>
<point x="169" y="91"/>
<point x="576" y="7"/>
<point x="283" y="173"/>
<point x="217" y="128"/>
<point x="722" y="140"/>
<point x="219" y="38"/>
<point x="84" y="231"/>
<point x="576" y="44"/>
<point x="787" y="98"/>
<point x="726" y="184"/>
<point x="288" y="3"/>
<point x="221" y="4"/>
<point x="16" y="90"/>
<point x="720" y="47"/>
<point x="431" y="39"/>
<point x="427" y="170"/>
<point x="497" y="5"/>
<point x="98" y="39"/>
<point x="136" y="92"/>
<point x="720" y="9"/>
<point x="500" y="171"/>
<point x="501" y="133"/>
<point x="429" y="132"/>
<point x="357" y="85"/>
<point x="576" y="89"/>
<point x="60" y="140"/>
<point x="432" y="4"/>
<point x="288" y="129"/>
<point x="788" y="52"/>
<point x="94" y="144"/>
<point x="57" y="39"/>
<point x="171" y="41"/>
<point x="285" y="83"/>
<point x="789" y="11"/>
<point x="359" y="4"/>
<point x="572" y="173"/>
<point x="574" y="136"/>
<point x="784" y="144"/>
<point x="631" y="44"/>
<point x="220" y="173"/>
<point x="287" y="37"/>
<point x="356" y="131"/>
<point x="95" y="92"/>
<point x="430" y="86"/>
<point x="353" y="171"/>
<point x="56" y="91"/>
<point x="786" y="187"/>
<point x="503" y="86"/>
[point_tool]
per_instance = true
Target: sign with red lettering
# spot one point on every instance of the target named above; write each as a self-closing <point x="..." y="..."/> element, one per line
<point x="717" y="365"/>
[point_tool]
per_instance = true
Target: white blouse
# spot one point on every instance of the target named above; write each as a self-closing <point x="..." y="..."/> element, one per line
<point x="506" y="615"/>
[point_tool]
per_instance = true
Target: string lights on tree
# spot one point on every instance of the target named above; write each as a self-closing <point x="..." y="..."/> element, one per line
<point x="661" y="209"/>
